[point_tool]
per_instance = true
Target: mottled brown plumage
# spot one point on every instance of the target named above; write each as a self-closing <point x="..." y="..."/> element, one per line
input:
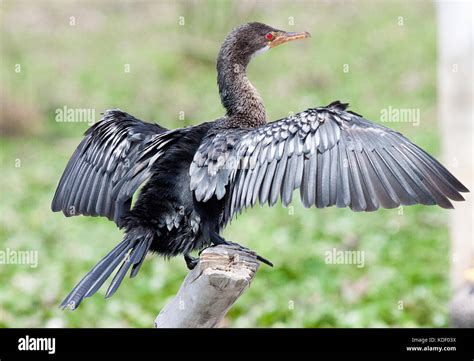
<point x="240" y="98"/>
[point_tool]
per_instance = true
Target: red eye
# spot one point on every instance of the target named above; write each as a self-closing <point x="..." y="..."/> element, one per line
<point x="269" y="36"/>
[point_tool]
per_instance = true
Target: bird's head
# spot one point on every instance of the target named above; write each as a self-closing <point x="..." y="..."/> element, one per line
<point x="248" y="40"/>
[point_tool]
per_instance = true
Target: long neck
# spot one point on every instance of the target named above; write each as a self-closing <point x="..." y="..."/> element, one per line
<point x="240" y="98"/>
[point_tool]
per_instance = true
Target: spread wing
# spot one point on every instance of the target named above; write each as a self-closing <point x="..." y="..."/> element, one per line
<point x="110" y="163"/>
<point x="334" y="156"/>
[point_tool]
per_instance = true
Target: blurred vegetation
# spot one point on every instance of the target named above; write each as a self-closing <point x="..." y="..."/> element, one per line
<point x="391" y="52"/>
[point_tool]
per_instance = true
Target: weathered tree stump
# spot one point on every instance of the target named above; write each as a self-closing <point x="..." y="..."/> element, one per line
<point x="210" y="289"/>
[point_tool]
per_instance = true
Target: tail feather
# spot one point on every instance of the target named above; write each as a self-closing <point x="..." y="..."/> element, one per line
<point x="135" y="258"/>
<point x="140" y="256"/>
<point x="131" y="251"/>
<point x="99" y="281"/>
<point x="75" y="297"/>
<point x="118" y="276"/>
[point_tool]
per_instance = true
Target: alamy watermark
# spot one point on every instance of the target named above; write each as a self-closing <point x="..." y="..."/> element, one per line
<point x="335" y="256"/>
<point x="75" y="115"/>
<point x="11" y="256"/>
<point x="28" y="343"/>
<point x="400" y="115"/>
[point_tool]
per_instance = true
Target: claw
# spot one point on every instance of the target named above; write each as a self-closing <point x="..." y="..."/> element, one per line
<point x="264" y="260"/>
<point x="191" y="262"/>
<point x="202" y="250"/>
<point x="219" y="240"/>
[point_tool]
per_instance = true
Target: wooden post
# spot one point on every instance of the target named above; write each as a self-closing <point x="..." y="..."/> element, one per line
<point x="455" y="93"/>
<point x="210" y="289"/>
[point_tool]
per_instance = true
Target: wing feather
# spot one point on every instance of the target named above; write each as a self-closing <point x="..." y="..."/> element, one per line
<point x="334" y="156"/>
<point x="108" y="166"/>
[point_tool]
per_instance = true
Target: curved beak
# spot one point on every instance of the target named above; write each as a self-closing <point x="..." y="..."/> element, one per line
<point x="285" y="37"/>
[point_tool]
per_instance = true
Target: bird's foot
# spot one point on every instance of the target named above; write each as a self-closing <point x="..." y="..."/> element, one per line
<point x="245" y="249"/>
<point x="191" y="262"/>
<point x="202" y="250"/>
<point x="219" y="240"/>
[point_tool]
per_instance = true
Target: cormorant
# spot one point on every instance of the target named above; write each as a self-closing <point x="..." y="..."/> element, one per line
<point x="195" y="179"/>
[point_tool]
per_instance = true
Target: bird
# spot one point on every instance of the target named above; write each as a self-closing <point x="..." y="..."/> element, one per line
<point x="192" y="181"/>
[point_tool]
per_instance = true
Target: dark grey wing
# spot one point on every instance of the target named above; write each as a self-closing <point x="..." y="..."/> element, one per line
<point x="108" y="166"/>
<point x="334" y="156"/>
<point x="214" y="162"/>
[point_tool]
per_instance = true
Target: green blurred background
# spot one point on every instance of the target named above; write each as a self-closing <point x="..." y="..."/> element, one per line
<point x="74" y="54"/>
